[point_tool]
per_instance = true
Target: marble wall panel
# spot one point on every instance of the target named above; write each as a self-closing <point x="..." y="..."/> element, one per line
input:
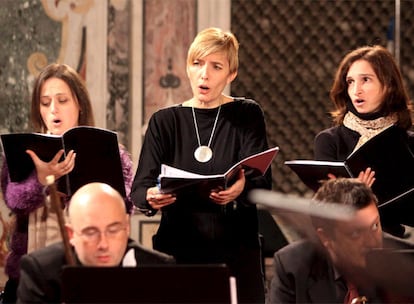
<point x="170" y="26"/>
<point x="119" y="23"/>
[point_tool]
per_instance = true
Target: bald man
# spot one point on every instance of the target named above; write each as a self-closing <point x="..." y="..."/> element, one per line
<point x="98" y="230"/>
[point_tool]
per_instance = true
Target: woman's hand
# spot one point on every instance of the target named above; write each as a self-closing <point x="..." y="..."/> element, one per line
<point x="54" y="167"/>
<point x="158" y="200"/>
<point x="331" y="176"/>
<point x="367" y="177"/>
<point x="230" y="194"/>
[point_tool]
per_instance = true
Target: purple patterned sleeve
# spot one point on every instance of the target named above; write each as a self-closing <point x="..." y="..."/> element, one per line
<point x="128" y="177"/>
<point x="21" y="197"/>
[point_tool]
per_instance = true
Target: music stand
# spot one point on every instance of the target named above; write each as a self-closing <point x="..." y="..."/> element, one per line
<point x="148" y="284"/>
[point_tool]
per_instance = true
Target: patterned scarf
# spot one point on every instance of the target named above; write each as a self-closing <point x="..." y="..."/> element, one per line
<point x="368" y="128"/>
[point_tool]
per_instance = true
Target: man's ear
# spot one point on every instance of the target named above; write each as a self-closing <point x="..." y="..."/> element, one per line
<point x="128" y="227"/>
<point x="70" y="232"/>
<point x="324" y="237"/>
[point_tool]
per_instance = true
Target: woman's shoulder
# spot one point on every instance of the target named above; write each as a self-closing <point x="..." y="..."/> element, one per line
<point x="243" y="101"/>
<point x="166" y="114"/>
<point x="244" y="105"/>
<point x="337" y="131"/>
<point x="169" y="109"/>
<point x="126" y="157"/>
<point x="338" y="136"/>
<point x="329" y="132"/>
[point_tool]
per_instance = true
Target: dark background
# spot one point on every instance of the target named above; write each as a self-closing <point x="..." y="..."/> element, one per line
<point x="289" y="52"/>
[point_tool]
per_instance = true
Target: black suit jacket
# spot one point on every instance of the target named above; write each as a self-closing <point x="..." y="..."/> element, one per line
<point x="40" y="271"/>
<point x="303" y="274"/>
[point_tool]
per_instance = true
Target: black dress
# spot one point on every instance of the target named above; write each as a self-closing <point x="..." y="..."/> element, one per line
<point x="194" y="229"/>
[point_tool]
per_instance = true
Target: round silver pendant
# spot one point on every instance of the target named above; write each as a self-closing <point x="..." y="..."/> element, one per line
<point x="203" y="154"/>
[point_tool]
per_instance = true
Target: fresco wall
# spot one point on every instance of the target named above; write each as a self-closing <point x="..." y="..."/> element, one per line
<point x="94" y="37"/>
<point x="169" y="29"/>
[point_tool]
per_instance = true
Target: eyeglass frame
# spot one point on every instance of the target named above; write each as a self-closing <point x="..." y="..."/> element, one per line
<point x="94" y="235"/>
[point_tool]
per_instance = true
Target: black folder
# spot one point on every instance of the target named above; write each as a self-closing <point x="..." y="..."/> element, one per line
<point x="389" y="155"/>
<point x="97" y="156"/>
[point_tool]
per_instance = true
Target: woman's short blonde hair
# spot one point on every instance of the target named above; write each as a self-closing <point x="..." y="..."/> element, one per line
<point x="214" y="40"/>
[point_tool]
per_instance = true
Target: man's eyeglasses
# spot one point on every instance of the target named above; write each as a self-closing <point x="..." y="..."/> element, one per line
<point x="93" y="234"/>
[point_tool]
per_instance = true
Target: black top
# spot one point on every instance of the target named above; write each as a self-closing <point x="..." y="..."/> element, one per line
<point x="193" y="222"/>
<point x="194" y="229"/>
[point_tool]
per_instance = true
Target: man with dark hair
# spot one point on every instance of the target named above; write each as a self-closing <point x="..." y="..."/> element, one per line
<point x="331" y="268"/>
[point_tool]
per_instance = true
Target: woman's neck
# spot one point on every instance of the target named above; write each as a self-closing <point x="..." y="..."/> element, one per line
<point x="207" y="105"/>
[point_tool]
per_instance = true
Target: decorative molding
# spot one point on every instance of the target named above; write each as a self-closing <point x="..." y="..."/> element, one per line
<point x="136" y="80"/>
<point x="96" y="59"/>
<point x="215" y="13"/>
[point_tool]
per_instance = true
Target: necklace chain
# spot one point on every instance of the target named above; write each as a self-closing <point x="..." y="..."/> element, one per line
<point x="212" y="131"/>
